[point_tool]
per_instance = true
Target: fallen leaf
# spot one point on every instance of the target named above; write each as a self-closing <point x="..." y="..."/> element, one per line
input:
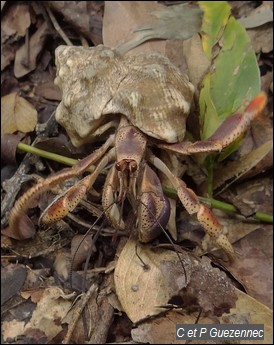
<point x="141" y="291"/>
<point x="21" y="65"/>
<point x="49" y="91"/>
<point x="252" y="196"/>
<point x="134" y="13"/>
<point x="84" y="16"/>
<point x="16" y="21"/>
<point x="234" y="170"/>
<point x="197" y="61"/>
<point x="17" y="114"/>
<point x="162" y="330"/>
<point x="253" y="266"/>
<point x="11" y="329"/>
<point x="248" y="310"/>
<point x="262" y="38"/>
<point x="258" y="16"/>
<point x="12" y="280"/>
<point x="235" y="78"/>
<point x="50" y="311"/>
<point x="147" y="280"/>
<point x="81" y="249"/>
<point x="174" y="22"/>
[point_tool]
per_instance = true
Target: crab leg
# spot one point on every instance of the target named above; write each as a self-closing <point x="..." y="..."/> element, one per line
<point x="229" y="130"/>
<point x="20" y="225"/>
<point x="192" y="204"/>
<point x="65" y="203"/>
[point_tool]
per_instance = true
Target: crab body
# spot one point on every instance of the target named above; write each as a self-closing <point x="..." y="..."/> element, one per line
<point x="146" y="100"/>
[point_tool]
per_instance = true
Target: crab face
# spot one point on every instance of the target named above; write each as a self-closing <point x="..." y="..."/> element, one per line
<point x="143" y="97"/>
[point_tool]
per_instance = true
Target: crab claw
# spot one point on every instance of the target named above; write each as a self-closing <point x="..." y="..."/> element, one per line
<point x="65" y="203"/>
<point x="154" y="208"/>
<point x="231" y="129"/>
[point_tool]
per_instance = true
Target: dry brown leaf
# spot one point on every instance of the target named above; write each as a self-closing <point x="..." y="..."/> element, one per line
<point x="262" y="38"/>
<point x="134" y="13"/>
<point x="253" y="266"/>
<point x="12" y="280"/>
<point x="161" y="330"/>
<point x="50" y="311"/>
<point x="84" y="16"/>
<point x="49" y="91"/>
<point x="173" y="22"/>
<point x="258" y="16"/>
<point x="17" y="114"/>
<point x="137" y="14"/>
<point x="197" y="61"/>
<point x="252" y="196"/>
<point x="16" y="21"/>
<point x="142" y="290"/>
<point x="232" y="171"/>
<point x="149" y="280"/>
<point x="9" y="144"/>
<point x="248" y="310"/>
<point x="21" y="65"/>
<point x="11" y="329"/>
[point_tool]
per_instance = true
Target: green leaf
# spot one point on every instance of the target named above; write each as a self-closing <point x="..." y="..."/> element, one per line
<point x="216" y="15"/>
<point x="235" y="77"/>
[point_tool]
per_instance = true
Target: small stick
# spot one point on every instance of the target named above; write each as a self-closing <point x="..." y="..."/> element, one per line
<point x="93" y="288"/>
<point x="58" y="28"/>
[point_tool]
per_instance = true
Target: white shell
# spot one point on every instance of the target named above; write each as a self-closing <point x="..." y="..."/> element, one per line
<point x="147" y="88"/>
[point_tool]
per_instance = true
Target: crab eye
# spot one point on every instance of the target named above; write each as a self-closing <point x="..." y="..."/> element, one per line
<point x="118" y="166"/>
<point x="132" y="166"/>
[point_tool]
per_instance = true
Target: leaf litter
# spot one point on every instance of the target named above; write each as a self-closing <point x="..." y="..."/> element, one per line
<point x="206" y="288"/>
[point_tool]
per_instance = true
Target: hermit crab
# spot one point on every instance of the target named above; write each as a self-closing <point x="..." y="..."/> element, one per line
<point x="137" y="103"/>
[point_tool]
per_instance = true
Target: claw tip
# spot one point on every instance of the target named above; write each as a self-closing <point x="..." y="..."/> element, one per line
<point x="258" y="103"/>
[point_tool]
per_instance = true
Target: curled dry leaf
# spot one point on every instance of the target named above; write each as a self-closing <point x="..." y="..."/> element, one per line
<point x="17" y="114"/>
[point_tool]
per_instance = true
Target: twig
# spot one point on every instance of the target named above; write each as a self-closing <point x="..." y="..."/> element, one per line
<point x="93" y="288"/>
<point x="58" y="28"/>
